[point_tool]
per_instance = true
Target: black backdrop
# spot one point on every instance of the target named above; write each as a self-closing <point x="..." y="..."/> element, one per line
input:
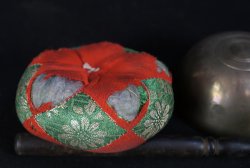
<point x="164" y="28"/>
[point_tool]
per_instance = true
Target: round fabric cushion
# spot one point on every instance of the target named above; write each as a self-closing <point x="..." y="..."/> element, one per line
<point x="100" y="97"/>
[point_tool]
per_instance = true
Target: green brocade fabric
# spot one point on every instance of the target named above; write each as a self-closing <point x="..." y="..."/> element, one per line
<point x="22" y="108"/>
<point x="80" y="123"/>
<point x="160" y="108"/>
<point x="143" y="96"/>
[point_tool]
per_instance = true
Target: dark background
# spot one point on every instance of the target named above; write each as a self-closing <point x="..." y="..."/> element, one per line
<point x="164" y="28"/>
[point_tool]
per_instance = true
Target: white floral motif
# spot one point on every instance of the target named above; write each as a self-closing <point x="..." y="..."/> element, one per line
<point x="83" y="134"/>
<point x="153" y="94"/>
<point x="90" y="107"/>
<point x="99" y="116"/>
<point x="77" y="110"/>
<point x="157" y="119"/>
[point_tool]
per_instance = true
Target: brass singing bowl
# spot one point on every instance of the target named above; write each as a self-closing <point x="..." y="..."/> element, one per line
<point x="216" y="84"/>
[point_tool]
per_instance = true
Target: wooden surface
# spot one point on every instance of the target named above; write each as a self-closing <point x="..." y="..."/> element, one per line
<point x="26" y="144"/>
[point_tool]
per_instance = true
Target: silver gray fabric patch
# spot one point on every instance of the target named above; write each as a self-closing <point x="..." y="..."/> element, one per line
<point x="161" y="67"/>
<point x="55" y="89"/>
<point x="126" y="102"/>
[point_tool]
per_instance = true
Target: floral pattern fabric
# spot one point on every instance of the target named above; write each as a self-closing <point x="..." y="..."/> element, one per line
<point x="80" y="124"/>
<point x="160" y="108"/>
<point x="83" y="134"/>
<point x="22" y="107"/>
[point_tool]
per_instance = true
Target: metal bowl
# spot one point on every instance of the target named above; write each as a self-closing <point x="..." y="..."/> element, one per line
<point x="216" y="76"/>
